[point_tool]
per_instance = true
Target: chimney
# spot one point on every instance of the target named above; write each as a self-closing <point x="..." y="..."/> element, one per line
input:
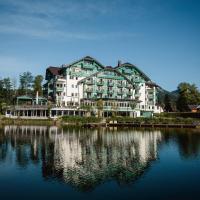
<point x="119" y="63"/>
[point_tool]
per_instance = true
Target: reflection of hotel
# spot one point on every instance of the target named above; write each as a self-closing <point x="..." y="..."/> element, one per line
<point x="85" y="158"/>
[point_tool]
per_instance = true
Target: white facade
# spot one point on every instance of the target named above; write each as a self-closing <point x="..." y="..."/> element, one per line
<point x="68" y="92"/>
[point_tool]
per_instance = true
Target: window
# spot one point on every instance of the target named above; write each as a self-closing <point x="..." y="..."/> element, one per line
<point x="76" y="94"/>
<point x="76" y="86"/>
<point x="71" y="77"/>
<point x="72" y="85"/>
<point x="72" y="94"/>
<point x="76" y="78"/>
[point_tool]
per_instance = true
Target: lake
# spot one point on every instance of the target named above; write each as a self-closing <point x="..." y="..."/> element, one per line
<point x="40" y="162"/>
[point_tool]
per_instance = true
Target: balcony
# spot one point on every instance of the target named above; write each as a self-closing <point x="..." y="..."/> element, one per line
<point x="88" y="89"/>
<point x="110" y="91"/>
<point x="99" y="91"/>
<point x="100" y="83"/>
<point x="137" y="95"/>
<point x="120" y="85"/>
<point x="119" y="92"/>
<point x="137" y="80"/>
<point x="88" y="66"/>
<point x="151" y="96"/>
<point x="59" y="89"/>
<point x="129" y="93"/>
<point x="129" y="86"/>
<point x="127" y="98"/>
<point x="110" y="84"/>
<point x="89" y="82"/>
<point x="127" y="71"/>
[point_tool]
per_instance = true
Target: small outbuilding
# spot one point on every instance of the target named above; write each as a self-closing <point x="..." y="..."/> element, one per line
<point x="194" y="108"/>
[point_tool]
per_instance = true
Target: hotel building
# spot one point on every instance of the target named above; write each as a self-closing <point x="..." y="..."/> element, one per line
<point x="88" y="87"/>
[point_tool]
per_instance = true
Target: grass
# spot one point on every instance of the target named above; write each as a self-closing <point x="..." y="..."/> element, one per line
<point x="80" y="120"/>
<point x="18" y="121"/>
<point x="154" y="120"/>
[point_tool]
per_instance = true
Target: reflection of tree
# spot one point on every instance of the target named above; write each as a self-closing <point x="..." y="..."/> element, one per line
<point x="84" y="158"/>
<point x="187" y="140"/>
<point x="3" y="147"/>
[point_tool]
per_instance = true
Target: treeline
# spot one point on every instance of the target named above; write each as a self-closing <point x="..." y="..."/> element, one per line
<point x="9" y="89"/>
<point x="179" y="101"/>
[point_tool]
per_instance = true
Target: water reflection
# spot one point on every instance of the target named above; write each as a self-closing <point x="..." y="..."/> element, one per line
<point x="85" y="158"/>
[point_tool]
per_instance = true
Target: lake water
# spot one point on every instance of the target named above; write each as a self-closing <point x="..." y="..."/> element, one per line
<point x="39" y="162"/>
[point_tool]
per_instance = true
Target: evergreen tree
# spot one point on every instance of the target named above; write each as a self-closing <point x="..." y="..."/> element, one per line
<point x="37" y="85"/>
<point x="167" y="102"/>
<point x="26" y="81"/>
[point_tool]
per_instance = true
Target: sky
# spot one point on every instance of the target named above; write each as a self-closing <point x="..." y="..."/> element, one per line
<point x="160" y="37"/>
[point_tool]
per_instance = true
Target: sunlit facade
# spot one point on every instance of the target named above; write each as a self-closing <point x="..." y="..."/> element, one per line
<point x="88" y="85"/>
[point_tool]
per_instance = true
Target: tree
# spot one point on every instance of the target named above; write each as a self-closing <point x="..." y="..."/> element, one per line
<point x="37" y="85"/>
<point x="26" y="80"/>
<point x="6" y="92"/>
<point x="188" y="95"/>
<point x="14" y="86"/>
<point x="167" y="102"/>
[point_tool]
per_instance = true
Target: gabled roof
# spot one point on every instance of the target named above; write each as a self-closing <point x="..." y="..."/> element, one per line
<point x="150" y="83"/>
<point x="135" y="67"/>
<point x="106" y="69"/>
<point x="84" y="58"/>
<point x="54" y="70"/>
<point x="24" y="97"/>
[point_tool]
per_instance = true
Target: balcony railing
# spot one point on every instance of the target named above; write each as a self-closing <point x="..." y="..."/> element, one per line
<point x="99" y="91"/>
<point x="59" y="89"/>
<point x="120" y="92"/>
<point x="88" y="89"/>
<point x="129" y="93"/>
<point x="127" y="71"/>
<point x="151" y="96"/>
<point x="88" y="66"/>
<point x="110" y="84"/>
<point x="110" y="91"/>
<point x="129" y="86"/>
<point x="120" y="85"/>
<point x="100" y="83"/>
<point x="137" y="95"/>
<point x="89" y="82"/>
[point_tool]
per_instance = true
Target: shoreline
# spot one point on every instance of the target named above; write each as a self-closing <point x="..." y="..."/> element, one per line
<point x="89" y="123"/>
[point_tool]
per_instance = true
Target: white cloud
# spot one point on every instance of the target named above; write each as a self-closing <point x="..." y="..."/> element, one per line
<point x="47" y="19"/>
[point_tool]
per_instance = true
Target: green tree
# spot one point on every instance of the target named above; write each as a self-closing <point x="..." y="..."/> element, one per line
<point x="188" y="95"/>
<point x="6" y="92"/>
<point x="37" y="84"/>
<point x="167" y="102"/>
<point x="26" y="81"/>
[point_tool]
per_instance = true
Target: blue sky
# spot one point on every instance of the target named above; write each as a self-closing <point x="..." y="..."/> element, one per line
<point x="161" y="37"/>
